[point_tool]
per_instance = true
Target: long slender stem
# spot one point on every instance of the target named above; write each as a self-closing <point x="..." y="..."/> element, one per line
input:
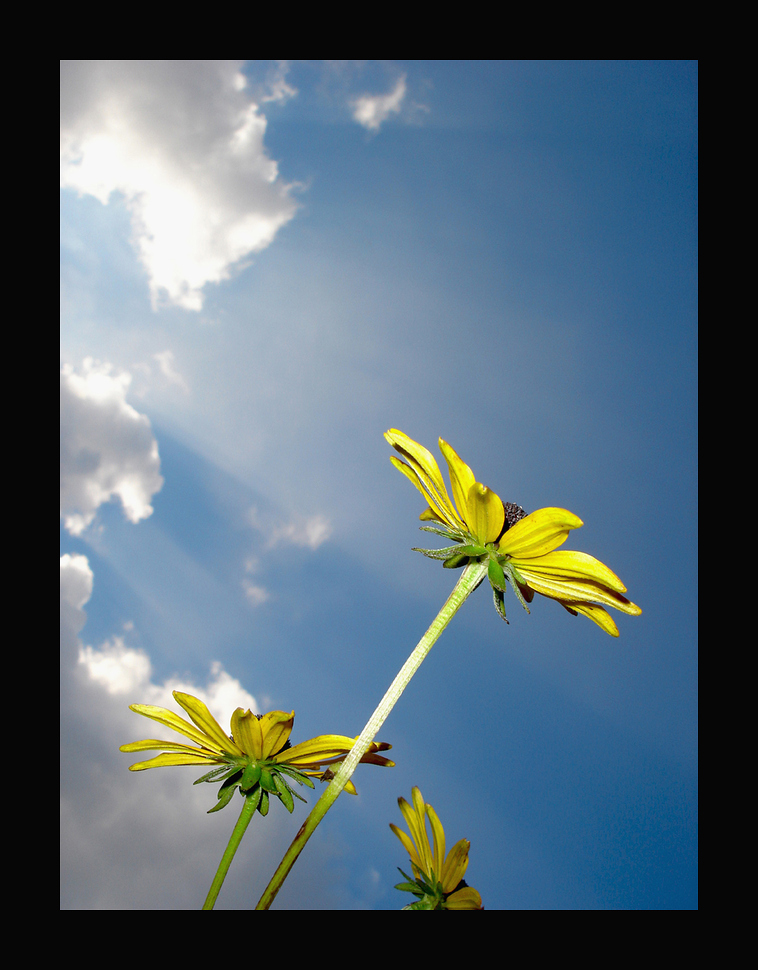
<point x="473" y="574"/>
<point x="248" y="810"/>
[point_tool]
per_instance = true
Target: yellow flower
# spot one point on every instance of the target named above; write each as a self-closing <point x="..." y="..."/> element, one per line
<point x="254" y="758"/>
<point x="438" y="878"/>
<point x="515" y="546"/>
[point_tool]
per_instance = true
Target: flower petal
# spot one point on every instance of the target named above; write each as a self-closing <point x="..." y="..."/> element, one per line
<point x="328" y="747"/>
<point x="176" y="723"/>
<point x="246" y="731"/>
<point x="206" y="722"/>
<point x="485" y="514"/>
<point x="461" y="477"/>
<point x="538" y="533"/>
<point x="276" y="727"/>
<point x="455" y="865"/>
<point x="152" y="744"/>
<point x="408" y="845"/>
<point x="466" y="898"/>
<point x="573" y="590"/>
<point x="595" y="613"/>
<point x="566" y="563"/>
<point x="168" y="760"/>
<point x="438" y="844"/>
<point x="423" y="471"/>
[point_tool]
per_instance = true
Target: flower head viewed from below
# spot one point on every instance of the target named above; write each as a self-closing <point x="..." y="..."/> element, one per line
<point x="516" y="547"/>
<point x="257" y="756"/>
<point x="438" y="878"/>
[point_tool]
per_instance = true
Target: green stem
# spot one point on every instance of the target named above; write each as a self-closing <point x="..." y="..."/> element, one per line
<point x="248" y="810"/>
<point x="473" y="574"/>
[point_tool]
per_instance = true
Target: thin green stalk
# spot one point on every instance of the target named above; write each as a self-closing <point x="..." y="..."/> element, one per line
<point x="248" y="810"/>
<point x="473" y="574"/>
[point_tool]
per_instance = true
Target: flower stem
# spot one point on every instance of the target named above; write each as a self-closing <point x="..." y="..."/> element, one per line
<point x="248" y="810"/>
<point x="473" y="574"/>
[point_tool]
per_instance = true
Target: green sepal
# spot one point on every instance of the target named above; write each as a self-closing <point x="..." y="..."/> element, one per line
<point x="267" y="781"/>
<point x="254" y="797"/>
<point x="285" y="793"/>
<point x="299" y="777"/>
<point x="407" y="887"/>
<point x="263" y="807"/>
<point x="455" y="562"/>
<point x="437" y="553"/>
<point x="425" y="903"/>
<point x="496" y="575"/>
<point x="517" y="582"/>
<point x="473" y="551"/>
<point x="224" y="796"/>
<point x="445" y="533"/>
<point x="499" y="603"/>
<point x="250" y="777"/>
<point x="218" y="774"/>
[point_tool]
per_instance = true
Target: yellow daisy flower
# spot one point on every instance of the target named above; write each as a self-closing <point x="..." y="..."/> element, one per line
<point x="517" y="547"/>
<point x="438" y="877"/>
<point x="254" y="758"/>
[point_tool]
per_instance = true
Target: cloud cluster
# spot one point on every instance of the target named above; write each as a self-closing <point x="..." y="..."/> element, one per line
<point x="107" y="448"/>
<point x="182" y="142"/>
<point x="372" y="110"/>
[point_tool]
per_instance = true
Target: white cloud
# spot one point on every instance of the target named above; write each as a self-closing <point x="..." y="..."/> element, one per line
<point x="372" y="110"/>
<point x="307" y="533"/>
<point x="256" y="595"/>
<point x="166" y="363"/>
<point x="182" y="141"/>
<point x="107" y="448"/>
<point x="121" y="670"/>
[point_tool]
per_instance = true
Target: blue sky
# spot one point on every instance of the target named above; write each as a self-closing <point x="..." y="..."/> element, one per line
<point x="264" y="266"/>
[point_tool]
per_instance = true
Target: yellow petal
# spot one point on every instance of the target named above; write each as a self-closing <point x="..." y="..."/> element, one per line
<point x="424" y="472"/>
<point x="466" y="898"/>
<point x="246" y="731"/>
<point x="455" y="865"/>
<point x="206" y="722"/>
<point x="152" y="744"/>
<point x="169" y="760"/>
<point x="595" y="613"/>
<point x="276" y="727"/>
<point x="568" y="564"/>
<point x="461" y="477"/>
<point x="409" y="847"/>
<point x="573" y="590"/>
<point x="176" y="723"/>
<point x="438" y="843"/>
<point x="538" y="533"/>
<point x="485" y="514"/>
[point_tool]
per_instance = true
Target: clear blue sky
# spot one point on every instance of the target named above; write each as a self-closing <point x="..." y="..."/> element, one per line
<point x="264" y="266"/>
